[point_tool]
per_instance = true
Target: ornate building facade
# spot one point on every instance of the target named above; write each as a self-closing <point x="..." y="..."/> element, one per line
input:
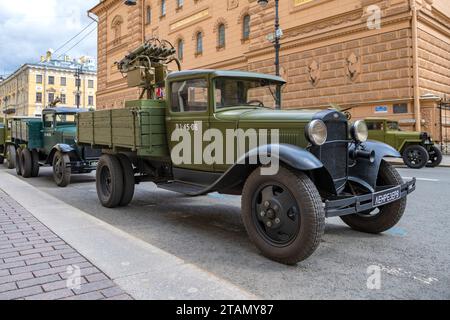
<point x="34" y="86"/>
<point x="372" y="57"/>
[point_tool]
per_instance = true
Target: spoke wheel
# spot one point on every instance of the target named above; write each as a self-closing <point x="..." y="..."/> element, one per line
<point x="10" y="157"/>
<point x="109" y="181"/>
<point x="415" y="156"/>
<point x="435" y="157"/>
<point x="61" y="170"/>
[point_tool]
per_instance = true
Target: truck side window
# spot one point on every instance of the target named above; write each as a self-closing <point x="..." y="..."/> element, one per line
<point x="189" y="96"/>
<point x="48" y="121"/>
<point x="375" y="126"/>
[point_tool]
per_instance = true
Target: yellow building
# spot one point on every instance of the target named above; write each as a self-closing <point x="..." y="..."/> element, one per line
<point x="35" y="86"/>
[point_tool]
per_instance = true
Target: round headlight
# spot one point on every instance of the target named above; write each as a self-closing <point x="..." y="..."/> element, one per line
<point x="359" y="131"/>
<point x="316" y="132"/>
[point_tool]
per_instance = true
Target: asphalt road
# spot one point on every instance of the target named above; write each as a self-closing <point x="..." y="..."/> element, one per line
<point x="207" y="231"/>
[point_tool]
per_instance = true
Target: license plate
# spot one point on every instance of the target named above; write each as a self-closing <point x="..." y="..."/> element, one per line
<point x="387" y="196"/>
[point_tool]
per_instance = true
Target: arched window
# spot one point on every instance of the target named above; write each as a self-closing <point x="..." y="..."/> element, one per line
<point x="163" y="8"/>
<point x="199" y="47"/>
<point x="221" y="37"/>
<point x="246" y="27"/>
<point x="148" y="15"/>
<point x="180" y="49"/>
<point x="116" y="26"/>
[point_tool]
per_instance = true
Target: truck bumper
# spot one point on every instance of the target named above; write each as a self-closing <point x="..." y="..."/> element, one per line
<point x="346" y="205"/>
<point x="82" y="166"/>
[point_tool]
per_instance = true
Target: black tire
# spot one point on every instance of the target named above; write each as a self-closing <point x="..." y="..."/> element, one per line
<point x="415" y="156"/>
<point x="109" y="181"/>
<point x="10" y="157"/>
<point x="435" y="156"/>
<point x="388" y="215"/>
<point x="61" y="173"/>
<point x="2" y="159"/>
<point x="26" y="163"/>
<point x="35" y="162"/>
<point x="304" y="216"/>
<point x="18" y="161"/>
<point x="128" y="180"/>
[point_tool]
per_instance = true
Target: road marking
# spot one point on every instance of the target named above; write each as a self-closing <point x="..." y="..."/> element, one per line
<point x="422" y="179"/>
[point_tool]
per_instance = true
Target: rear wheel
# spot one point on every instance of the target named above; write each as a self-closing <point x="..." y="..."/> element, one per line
<point x="385" y="217"/>
<point x="2" y="159"/>
<point x="26" y="163"/>
<point x="61" y="170"/>
<point x="109" y="181"/>
<point x="10" y="157"/>
<point x="35" y="161"/>
<point x="283" y="215"/>
<point x="435" y="157"/>
<point x="128" y="180"/>
<point x="415" y="156"/>
<point x="18" y="162"/>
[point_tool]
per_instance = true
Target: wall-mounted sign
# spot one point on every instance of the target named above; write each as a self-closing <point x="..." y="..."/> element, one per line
<point x="190" y="19"/>
<point x="381" y="109"/>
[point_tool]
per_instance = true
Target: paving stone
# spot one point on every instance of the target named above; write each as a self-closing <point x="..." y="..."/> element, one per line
<point x="17" y="277"/>
<point x="33" y="267"/>
<point x="87" y="296"/>
<point x="96" y="277"/>
<point x="20" y="293"/>
<point x="8" y="287"/>
<point x="53" y="295"/>
<point x="36" y="281"/>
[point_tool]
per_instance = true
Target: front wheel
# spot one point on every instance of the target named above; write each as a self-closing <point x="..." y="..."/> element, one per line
<point x="385" y="217"/>
<point x="61" y="169"/>
<point x="109" y="181"/>
<point x="26" y="163"/>
<point x="415" y="156"/>
<point x="435" y="157"/>
<point x="283" y="215"/>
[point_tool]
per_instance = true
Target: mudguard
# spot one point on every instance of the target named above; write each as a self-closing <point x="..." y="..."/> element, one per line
<point x="364" y="171"/>
<point x="65" y="148"/>
<point x="236" y="175"/>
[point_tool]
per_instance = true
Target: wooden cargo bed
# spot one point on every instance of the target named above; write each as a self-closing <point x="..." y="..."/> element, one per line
<point x="139" y="127"/>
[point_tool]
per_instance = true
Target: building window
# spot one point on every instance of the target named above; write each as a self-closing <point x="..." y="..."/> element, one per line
<point x="38" y="78"/>
<point x="116" y="27"/>
<point x="246" y="27"/>
<point x="221" y="36"/>
<point x="63" y="98"/>
<point x="91" y="84"/>
<point x="90" y="100"/>
<point x="163" y="8"/>
<point x="51" y="97"/>
<point x="199" y="46"/>
<point x="38" y="97"/>
<point x="63" y="81"/>
<point x="401" y="108"/>
<point x="148" y="19"/>
<point x="180" y="3"/>
<point x="180" y="49"/>
<point x="51" y="80"/>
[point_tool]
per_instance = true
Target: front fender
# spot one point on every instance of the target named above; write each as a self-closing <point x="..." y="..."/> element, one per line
<point x="366" y="172"/>
<point x="62" y="147"/>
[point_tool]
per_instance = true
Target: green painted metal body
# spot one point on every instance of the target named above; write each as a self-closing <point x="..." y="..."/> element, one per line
<point x="388" y="131"/>
<point x="27" y="131"/>
<point x="146" y="126"/>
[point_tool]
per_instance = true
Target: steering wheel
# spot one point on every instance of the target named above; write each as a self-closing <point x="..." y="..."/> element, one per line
<point x="259" y="102"/>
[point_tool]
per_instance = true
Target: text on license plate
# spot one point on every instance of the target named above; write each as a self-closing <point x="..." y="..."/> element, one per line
<point x="388" y="196"/>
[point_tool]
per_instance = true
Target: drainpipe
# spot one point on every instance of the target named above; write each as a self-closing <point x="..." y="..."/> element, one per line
<point x="415" y="49"/>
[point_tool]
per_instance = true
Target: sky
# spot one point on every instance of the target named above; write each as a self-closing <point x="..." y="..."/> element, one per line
<point x="28" y="28"/>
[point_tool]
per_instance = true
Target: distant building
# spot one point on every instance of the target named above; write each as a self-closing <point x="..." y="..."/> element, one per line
<point x="374" y="57"/>
<point x="35" y="86"/>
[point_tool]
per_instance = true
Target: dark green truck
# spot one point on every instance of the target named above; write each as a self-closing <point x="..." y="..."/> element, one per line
<point x="417" y="148"/>
<point x="50" y="141"/>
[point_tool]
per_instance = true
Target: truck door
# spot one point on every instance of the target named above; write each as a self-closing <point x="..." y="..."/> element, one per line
<point x="376" y="130"/>
<point x="50" y="139"/>
<point x="188" y="117"/>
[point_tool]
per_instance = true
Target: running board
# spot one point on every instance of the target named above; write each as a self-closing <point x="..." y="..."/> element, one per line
<point x="184" y="188"/>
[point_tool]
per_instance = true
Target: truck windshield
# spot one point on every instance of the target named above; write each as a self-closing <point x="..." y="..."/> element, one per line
<point x="63" y="119"/>
<point x="234" y="92"/>
<point x="392" y="125"/>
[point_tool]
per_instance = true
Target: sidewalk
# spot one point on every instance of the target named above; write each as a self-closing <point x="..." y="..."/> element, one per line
<point x="35" y="263"/>
<point x="445" y="161"/>
<point x="142" y="270"/>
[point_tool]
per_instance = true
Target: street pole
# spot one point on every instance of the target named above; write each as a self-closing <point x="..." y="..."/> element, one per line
<point x="78" y="77"/>
<point x="277" y="53"/>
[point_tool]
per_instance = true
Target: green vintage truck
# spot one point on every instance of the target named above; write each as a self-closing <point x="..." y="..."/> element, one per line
<point x="417" y="148"/>
<point x="50" y="141"/>
<point x="217" y="131"/>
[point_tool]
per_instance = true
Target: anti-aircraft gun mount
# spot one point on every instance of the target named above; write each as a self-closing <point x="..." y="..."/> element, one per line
<point x="146" y="67"/>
